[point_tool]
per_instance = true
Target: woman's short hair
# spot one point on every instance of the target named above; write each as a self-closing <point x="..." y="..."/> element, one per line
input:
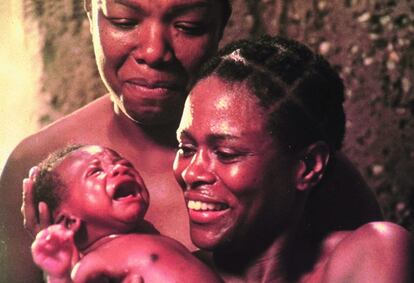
<point x="301" y="93"/>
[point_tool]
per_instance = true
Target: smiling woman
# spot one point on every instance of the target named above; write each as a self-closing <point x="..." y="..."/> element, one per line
<point x="226" y="160"/>
<point x="259" y="137"/>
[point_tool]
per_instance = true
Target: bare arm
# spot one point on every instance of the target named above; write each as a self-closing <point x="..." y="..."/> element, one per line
<point x="15" y="241"/>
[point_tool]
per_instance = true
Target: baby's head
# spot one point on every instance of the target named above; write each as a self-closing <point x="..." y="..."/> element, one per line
<point x="92" y="187"/>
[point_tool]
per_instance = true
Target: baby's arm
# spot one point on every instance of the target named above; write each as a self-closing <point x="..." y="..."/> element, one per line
<point x="54" y="252"/>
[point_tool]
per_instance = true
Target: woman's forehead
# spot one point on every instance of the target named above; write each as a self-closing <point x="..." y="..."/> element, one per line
<point x="161" y="4"/>
<point x="223" y="96"/>
<point x="223" y="107"/>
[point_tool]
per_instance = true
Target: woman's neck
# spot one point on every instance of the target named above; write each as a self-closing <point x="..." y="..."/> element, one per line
<point x="267" y="256"/>
<point x="156" y="134"/>
<point x="251" y="265"/>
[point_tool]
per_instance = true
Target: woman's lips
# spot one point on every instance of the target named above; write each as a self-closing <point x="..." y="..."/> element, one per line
<point x="204" y="212"/>
<point x="149" y="90"/>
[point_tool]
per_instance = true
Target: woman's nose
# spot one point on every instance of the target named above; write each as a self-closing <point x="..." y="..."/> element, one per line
<point x="199" y="171"/>
<point x="154" y="46"/>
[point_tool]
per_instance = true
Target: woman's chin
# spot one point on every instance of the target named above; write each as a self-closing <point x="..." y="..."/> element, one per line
<point x="206" y="238"/>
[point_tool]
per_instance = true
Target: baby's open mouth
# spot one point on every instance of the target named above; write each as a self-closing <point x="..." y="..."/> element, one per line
<point x="125" y="190"/>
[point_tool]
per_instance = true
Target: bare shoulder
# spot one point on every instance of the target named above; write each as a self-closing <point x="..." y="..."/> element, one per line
<point x="375" y="252"/>
<point x="376" y="236"/>
<point x="71" y="128"/>
<point x="75" y="126"/>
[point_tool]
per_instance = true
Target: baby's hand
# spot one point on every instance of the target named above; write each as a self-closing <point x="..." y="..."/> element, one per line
<point x="54" y="251"/>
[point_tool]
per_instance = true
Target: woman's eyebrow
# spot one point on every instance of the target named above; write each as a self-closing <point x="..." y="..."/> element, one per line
<point x="172" y="11"/>
<point x="180" y="9"/>
<point x="213" y="138"/>
<point x="132" y="5"/>
<point x="184" y="134"/>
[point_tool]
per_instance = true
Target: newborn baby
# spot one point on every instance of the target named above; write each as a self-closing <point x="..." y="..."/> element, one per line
<point x="97" y="201"/>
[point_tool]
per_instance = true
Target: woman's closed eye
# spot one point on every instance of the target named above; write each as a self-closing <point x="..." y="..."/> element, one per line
<point x="191" y="28"/>
<point x="186" y="150"/>
<point x="123" y="23"/>
<point x="228" y="156"/>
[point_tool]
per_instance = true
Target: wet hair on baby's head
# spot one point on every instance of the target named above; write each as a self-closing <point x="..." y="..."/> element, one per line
<point x="300" y="92"/>
<point x="49" y="186"/>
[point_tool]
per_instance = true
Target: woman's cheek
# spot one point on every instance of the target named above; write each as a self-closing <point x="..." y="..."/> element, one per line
<point x="179" y="166"/>
<point x="234" y="172"/>
<point x="193" y="52"/>
<point x="239" y="178"/>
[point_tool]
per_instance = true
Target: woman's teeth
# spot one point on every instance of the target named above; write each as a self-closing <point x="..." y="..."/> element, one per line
<point x="204" y="206"/>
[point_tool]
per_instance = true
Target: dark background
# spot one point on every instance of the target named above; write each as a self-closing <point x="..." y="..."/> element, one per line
<point x="370" y="42"/>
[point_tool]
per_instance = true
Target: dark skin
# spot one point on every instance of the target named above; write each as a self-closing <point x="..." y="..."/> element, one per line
<point x="102" y="218"/>
<point x="123" y="258"/>
<point x="160" y="260"/>
<point x="153" y="138"/>
<point x="247" y="200"/>
<point x="153" y="78"/>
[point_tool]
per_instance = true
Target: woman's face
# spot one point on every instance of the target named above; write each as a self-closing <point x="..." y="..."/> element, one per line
<point x="146" y="49"/>
<point x="235" y="176"/>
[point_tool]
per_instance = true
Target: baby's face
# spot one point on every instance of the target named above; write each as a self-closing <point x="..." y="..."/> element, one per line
<point x="105" y="190"/>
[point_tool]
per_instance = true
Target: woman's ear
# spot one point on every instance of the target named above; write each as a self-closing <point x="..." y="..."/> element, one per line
<point x="313" y="162"/>
<point x="68" y="220"/>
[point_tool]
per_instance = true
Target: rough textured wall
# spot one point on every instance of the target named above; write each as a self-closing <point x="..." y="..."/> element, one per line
<point x="369" y="41"/>
<point x="70" y="76"/>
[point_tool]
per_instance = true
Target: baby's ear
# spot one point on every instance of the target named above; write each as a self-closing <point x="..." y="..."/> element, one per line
<point x="313" y="162"/>
<point x="68" y="220"/>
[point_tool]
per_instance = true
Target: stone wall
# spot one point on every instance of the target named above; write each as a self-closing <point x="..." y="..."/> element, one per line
<point x="370" y="42"/>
